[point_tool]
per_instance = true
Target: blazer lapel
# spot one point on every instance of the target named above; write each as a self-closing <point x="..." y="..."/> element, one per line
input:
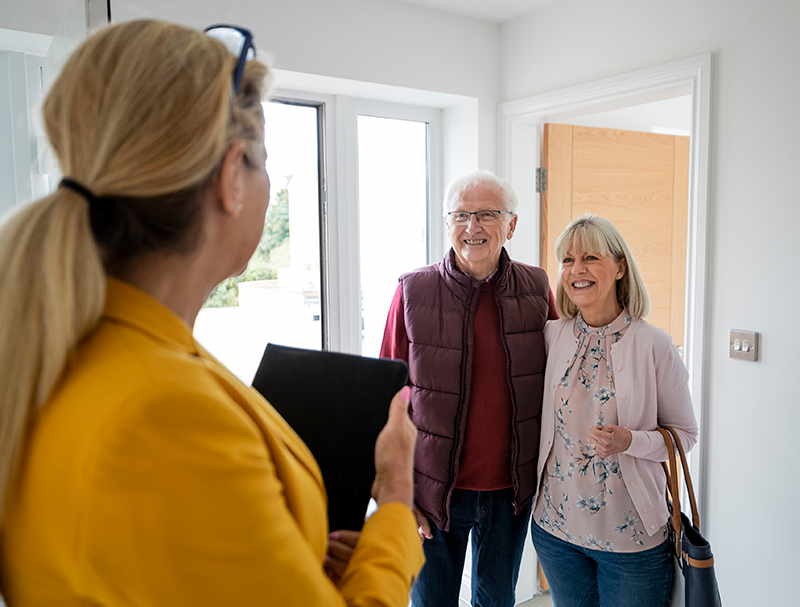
<point x="264" y="415"/>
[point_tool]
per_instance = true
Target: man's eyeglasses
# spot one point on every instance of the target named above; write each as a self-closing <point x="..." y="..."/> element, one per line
<point x="239" y="41"/>
<point x="483" y="217"/>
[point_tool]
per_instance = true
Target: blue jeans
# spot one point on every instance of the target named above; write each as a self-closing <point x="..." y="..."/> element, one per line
<point x="498" y="537"/>
<point x="581" y="577"/>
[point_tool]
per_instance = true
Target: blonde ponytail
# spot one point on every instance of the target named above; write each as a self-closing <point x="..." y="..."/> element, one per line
<point x="52" y="290"/>
<point x="141" y="115"/>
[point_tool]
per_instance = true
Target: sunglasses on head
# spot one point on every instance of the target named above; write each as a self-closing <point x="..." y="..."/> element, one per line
<point x="238" y="41"/>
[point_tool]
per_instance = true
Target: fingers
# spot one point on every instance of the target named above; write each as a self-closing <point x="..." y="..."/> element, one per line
<point x="423" y="525"/>
<point x="399" y="420"/>
<point x="399" y="430"/>
<point x="398" y="409"/>
<point x="425" y="531"/>
<point x="394" y="454"/>
<point x="596" y="438"/>
<point x="347" y="537"/>
<point x="339" y="552"/>
<point x="341" y="545"/>
<point x="609" y="440"/>
<point x="334" y="568"/>
<point x="603" y="439"/>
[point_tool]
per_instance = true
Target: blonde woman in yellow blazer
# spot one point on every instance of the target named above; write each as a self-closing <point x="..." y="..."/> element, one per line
<point x="135" y="469"/>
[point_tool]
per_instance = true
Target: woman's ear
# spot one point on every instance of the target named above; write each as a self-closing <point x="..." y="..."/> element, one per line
<point x="230" y="184"/>
<point x="623" y="267"/>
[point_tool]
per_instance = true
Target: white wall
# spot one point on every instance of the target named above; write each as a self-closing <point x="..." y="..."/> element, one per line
<point x="39" y="17"/>
<point x="752" y="408"/>
<point x="381" y="41"/>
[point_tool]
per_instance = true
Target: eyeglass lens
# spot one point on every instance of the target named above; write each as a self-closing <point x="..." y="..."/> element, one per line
<point x="464" y="217"/>
<point x="233" y="39"/>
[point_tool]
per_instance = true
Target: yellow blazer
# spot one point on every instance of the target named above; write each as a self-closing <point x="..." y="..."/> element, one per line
<point x="155" y="477"/>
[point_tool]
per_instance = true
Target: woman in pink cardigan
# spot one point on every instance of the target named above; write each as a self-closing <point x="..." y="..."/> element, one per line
<point x="600" y="514"/>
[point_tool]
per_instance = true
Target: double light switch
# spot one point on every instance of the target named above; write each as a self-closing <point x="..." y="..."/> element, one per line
<point x="744" y="344"/>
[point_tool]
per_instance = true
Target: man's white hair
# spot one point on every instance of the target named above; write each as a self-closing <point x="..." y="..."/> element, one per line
<point x="481" y="180"/>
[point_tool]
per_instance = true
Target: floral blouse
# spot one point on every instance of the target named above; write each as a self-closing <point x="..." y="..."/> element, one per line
<point x="582" y="496"/>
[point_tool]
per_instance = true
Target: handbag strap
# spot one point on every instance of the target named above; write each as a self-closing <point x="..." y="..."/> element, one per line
<point x="669" y="435"/>
<point x="672" y="486"/>
<point x="687" y="477"/>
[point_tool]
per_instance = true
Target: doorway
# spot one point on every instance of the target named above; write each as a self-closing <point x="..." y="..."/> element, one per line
<point x="520" y="133"/>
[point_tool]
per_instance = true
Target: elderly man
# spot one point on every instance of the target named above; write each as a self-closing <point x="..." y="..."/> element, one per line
<point x="471" y="329"/>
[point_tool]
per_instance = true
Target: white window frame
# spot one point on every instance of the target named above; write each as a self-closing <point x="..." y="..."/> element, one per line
<point x="350" y="289"/>
<point x="340" y="286"/>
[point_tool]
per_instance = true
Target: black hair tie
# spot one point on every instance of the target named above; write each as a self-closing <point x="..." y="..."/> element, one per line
<point x="80" y="189"/>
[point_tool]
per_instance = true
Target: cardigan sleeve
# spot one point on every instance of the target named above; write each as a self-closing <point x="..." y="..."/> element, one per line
<point x="185" y="507"/>
<point x="673" y="404"/>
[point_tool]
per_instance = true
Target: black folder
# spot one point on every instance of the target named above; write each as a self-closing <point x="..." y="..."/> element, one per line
<point x="338" y="404"/>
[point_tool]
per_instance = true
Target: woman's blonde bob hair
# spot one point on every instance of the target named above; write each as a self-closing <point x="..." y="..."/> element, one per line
<point x="598" y="235"/>
<point x="141" y="115"/>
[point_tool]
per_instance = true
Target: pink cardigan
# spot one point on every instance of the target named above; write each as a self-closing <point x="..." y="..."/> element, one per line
<point x="652" y="389"/>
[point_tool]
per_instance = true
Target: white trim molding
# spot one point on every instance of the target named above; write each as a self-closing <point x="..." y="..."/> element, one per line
<point x="687" y="76"/>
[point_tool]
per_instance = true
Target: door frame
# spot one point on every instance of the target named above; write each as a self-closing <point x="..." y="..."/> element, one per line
<point x="519" y="128"/>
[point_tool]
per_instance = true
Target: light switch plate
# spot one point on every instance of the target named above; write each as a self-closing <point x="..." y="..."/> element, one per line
<point x="743" y="344"/>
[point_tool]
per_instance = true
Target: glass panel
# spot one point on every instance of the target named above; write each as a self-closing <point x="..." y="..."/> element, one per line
<point x="393" y="203"/>
<point x="277" y="298"/>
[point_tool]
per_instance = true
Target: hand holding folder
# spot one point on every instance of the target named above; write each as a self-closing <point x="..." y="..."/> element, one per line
<point x="338" y="404"/>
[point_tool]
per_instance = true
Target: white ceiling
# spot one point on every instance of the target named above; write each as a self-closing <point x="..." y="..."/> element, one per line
<point x="44" y="19"/>
<point x="490" y="10"/>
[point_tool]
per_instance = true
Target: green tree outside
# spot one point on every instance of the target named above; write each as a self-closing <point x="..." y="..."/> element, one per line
<point x="271" y="253"/>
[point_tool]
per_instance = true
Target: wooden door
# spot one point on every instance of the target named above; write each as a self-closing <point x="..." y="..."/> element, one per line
<point x="639" y="181"/>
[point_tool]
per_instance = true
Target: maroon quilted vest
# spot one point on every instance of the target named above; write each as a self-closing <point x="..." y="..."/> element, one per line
<point x="439" y="305"/>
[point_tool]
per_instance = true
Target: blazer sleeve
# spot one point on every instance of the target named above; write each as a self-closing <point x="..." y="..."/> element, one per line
<point x="673" y="404"/>
<point x="186" y="508"/>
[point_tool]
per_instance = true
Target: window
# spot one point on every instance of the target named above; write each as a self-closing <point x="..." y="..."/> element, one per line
<point x="278" y="297"/>
<point x="393" y="205"/>
<point x="350" y="212"/>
